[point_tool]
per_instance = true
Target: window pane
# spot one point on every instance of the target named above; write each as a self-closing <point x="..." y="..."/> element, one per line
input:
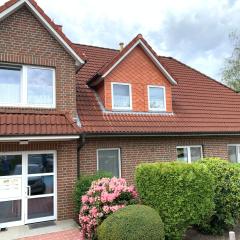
<point x="40" y="163"/>
<point x="121" y="96"/>
<point x="156" y="98"/>
<point x="232" y="154"/>
<point x="10" y="82"/>
<point x="41" y="185"/>
<point x="196" y="153"/>
<point x="10" y="165"/>
<point x="10" y="211"/>
<point x="40" y="207"/>
<point x="40" y="86"/>
<point x="182" y="154"/>
<point x="108" y="161"/>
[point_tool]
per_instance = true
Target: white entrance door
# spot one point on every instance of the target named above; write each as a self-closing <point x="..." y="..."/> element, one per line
<point x="27" y="187"/>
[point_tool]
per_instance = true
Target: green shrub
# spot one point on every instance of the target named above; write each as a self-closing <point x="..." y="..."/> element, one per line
<point x="181" y="193"/>
<point x="227" y="195"/>
<point x="133" y="222"/>
<point x="83" y="184"/>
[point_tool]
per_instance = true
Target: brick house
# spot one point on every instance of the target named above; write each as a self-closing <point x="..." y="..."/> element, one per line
<point x="68" y="109"/>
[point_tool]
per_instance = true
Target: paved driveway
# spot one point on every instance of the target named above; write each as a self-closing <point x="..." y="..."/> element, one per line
<point x="72" y="234"/>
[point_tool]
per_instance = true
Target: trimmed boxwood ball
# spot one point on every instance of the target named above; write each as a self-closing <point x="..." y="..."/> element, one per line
<point x="133" y="222"/>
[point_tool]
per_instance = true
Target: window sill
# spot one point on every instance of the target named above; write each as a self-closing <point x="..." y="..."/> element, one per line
<point x="27" y="106"/>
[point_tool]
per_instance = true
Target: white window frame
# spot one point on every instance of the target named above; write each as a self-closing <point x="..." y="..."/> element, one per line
<point x="189" y="160"/>
<point x="130" y="96"/>
<point x="119" y="159"/>
<point x="164" y="95"/>
<point x="24" y="85"/>
<point x="238" y="151"/>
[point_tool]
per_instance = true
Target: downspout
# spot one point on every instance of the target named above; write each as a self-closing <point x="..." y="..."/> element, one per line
<point x="81" y="143"/>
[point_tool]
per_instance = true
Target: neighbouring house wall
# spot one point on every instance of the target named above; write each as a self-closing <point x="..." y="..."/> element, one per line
<point x="149" y="149"/>
<point x="138" y="70"/>
<point x="66" y="170"/>
<point x="24" y="40"/>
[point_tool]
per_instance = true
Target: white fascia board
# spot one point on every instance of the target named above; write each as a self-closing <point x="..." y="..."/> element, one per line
<point x="149" y="53"/>
<point x="39" y="138"/>
<point x="18" y="4"/>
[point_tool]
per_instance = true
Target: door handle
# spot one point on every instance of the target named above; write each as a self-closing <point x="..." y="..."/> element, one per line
<point x="29" y="190"/>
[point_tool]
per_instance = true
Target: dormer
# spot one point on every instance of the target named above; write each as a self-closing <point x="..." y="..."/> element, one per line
<point x="134" y="81"/>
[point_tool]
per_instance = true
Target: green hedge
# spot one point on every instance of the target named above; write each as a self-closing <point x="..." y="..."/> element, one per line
<point x="227" y="195"/>
<point x="181" y="193"/>
<point x="83" y="184"/>
<point x="134" y="222"/>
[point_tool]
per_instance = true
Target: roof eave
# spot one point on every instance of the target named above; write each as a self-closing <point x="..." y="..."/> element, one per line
<point x="158" y="134"/>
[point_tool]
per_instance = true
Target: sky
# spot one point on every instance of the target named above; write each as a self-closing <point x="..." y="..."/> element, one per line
<point x="193" y="31"/>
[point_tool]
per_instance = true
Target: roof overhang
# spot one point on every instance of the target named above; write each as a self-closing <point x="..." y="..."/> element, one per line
<point x="150" y="54"/>
<point x="13" y="8"/>
<point x="167" y="134"/>
<point x="39" y="138"/>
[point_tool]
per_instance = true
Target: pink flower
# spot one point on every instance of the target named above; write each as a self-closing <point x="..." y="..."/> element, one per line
<point x="84" y="198"/>
<point x="100" y="201"/>
<point x="106" y="209"/>
<point x="94" y="211"/>
<point x="91" y="200"/>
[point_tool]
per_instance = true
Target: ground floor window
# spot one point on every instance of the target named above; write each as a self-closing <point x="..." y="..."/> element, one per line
<point x="109" y="160"/>
<point x="233" y="153"/>
<point x="189" y="154"/>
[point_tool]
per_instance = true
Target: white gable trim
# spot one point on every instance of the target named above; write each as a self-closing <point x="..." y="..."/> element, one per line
<point x="18" y="4"/>
<point x="149" y="53"/>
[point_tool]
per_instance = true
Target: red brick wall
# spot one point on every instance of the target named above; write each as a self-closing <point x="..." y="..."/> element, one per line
<point x="66" y="170"/>
<point x="24" y="40"/>
<point x="138" y="150"/>
<point x="138" y="70"/>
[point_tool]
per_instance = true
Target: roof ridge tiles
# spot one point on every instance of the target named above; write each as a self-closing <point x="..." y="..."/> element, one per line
<point x="94" y="46"/>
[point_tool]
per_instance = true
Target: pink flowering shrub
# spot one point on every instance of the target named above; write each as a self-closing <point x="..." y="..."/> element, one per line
<point x="104" y="197"/>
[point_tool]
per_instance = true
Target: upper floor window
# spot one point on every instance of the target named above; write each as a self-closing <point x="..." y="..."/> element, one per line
<point x="156" y="98"/>
<point x="189" y="154"/>
<point x="121" y="96"/>
<point x="233" y="153"/>
<point x="27" y="86"/>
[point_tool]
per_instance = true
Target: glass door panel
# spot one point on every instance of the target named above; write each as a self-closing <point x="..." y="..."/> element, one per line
<point x="40" y="207"/>
<point x="40" y="187"/>
<point x="10" y="211"/>
<point x="11" y="189"/>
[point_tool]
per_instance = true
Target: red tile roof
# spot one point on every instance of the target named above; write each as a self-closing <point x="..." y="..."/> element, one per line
<point x="13" y="123"/>
<point x="200" y="104"/>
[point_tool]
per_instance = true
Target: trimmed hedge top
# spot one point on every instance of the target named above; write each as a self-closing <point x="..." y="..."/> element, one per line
<point x="181" y="193"/>
<point x="133" y="222"/>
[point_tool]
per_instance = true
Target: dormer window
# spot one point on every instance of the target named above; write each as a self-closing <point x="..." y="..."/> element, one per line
<point x="121" y="96"/>
<point x="27" y="86"/>
<point x="156" y="98"/>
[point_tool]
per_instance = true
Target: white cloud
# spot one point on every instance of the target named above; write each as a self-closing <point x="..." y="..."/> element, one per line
<point x="194" y="31"/>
